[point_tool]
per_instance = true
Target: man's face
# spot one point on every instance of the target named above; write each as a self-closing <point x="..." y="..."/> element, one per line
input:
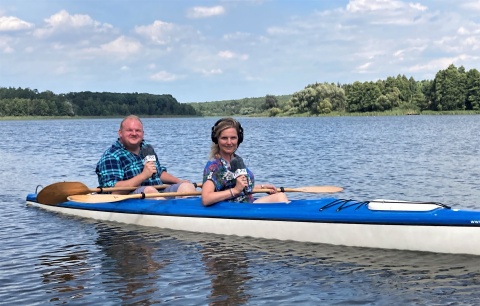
<point x="131" y="133"/>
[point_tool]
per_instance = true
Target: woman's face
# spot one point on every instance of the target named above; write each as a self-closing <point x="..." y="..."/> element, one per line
<point x="228" y="141"/>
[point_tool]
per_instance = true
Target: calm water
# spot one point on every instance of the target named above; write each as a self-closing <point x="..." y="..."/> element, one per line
<point x="50" y="259"/>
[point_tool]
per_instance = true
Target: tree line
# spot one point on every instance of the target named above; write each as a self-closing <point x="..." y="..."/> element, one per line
<point x="452" y="89"/>
<point x="28" y="102"/>
<point x="242" y="107"/>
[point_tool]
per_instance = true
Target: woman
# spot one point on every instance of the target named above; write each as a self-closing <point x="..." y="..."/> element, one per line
<point x="219" y="181"/>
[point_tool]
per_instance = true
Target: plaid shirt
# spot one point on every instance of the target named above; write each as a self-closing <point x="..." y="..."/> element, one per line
<point x="119" y="164"/>
<point x="218" y="171"/>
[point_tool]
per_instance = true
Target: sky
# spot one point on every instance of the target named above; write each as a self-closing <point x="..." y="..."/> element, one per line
<point x="211" y="50"/>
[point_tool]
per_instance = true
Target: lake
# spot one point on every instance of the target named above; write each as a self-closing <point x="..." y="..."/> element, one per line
<point x="53" y="259"/>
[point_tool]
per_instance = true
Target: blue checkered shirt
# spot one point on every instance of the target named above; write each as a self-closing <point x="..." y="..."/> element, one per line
<point x="119" y="164"/>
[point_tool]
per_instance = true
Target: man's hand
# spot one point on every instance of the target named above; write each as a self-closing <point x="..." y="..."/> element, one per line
<point x="149" y="169"/>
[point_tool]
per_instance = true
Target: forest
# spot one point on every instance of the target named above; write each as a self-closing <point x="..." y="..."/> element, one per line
<point x="27" y="102"/>
<point x="452" y="89"/>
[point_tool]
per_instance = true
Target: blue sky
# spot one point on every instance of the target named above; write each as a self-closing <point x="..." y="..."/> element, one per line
<point x="209" y="50"/>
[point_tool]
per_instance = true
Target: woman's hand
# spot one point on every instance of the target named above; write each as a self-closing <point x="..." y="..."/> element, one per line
<point x="241" y="184"/>
<point x="272" y="188"/>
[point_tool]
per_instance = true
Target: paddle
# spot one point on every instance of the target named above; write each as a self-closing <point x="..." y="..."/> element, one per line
<point x="58" y="192"/>
<point x="106" y="198"/>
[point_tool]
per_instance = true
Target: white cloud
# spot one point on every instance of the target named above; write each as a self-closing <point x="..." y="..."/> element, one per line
<point x="382" y="5"/>
<point x="5" y="46"/>
<point x="472" y="42"/>
<point x="463" y="31"/>
<point x="373" y="5"/>
<point x="10" y="23"/>
<point x="390" y="12"/>
<point x="8" y="49"/>
<point x="232" y="55"/>
<point x="164" y="76"/>
<point x="236" y="35"/>
<point x="418" y="6"/>
<point x="442" y="63"/>
<point x="62" y="22"/>
<point x="204" y="12"/>
<point x="208" y="72"/>
<point x="294" y="29"/>
<point x="364" y="67"/>
<point x="251" y="78"/>
<point x="121" y="48"/>
<point x="122" y="45"/>
<point x="166" y="33"/>
<point x="471" y="5"/>
<point x="405" y="53"/>
<point x="471" y="29"/>
<point x="60" y="69"/>
<point x="159" y="32"/>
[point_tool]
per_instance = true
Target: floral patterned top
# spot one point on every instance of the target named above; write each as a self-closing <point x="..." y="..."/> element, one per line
<point x="218" y="171"/>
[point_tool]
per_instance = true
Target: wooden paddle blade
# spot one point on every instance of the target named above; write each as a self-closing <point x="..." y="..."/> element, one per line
<point x="110" y="198"/>
<point x="58" y="192"/>
<point x="315" y="189"/>
<point x="102" y="198"/>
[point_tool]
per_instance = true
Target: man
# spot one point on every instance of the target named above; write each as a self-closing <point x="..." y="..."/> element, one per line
<point x="123" y="165"/>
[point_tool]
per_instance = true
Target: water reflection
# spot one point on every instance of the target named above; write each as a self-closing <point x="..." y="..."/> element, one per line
<point x="269" y="271"/>
<point x="228" y="267"/>
<point x="131" y="264"/>
<point x="138" y="264"/>
<point x="63" y="270"/>
<point x="149" y="266"/>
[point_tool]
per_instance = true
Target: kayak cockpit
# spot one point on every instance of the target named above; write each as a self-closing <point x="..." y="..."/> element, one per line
<point x="385" y="205"/>
<point x="381" y="204"/>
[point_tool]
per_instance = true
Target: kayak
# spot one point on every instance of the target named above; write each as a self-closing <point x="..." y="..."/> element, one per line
<point x="387" y="224"/>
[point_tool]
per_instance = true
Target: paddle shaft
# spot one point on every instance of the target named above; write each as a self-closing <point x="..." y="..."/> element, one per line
<point x="106" y="198"/>
<point x="110" y="189"/>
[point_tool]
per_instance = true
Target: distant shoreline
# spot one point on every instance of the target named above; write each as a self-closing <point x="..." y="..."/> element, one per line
<point x="12" y="118"/>
<point x="333" y="114"/>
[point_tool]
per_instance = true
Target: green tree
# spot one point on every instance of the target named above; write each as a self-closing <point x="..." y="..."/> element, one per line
<point x="472" y="90"/>
<point x="449" y="88"/>
<point x="273" y="112"/>
<point x="318" y="98"/>
<point x="324" y="106"/>
<point x="270" y="102"/>
<point x="364" y="97"/>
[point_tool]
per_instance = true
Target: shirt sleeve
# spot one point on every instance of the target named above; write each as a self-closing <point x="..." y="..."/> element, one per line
<point x="109" y="171"/>
<point x="215" y="172"/>
<point x="160" y="168"/>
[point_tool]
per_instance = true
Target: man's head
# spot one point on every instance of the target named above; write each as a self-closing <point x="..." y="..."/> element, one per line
<point x="131" y="132"/>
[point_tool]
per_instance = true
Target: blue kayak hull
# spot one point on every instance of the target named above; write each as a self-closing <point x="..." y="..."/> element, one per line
<point x="413" y="226"/>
